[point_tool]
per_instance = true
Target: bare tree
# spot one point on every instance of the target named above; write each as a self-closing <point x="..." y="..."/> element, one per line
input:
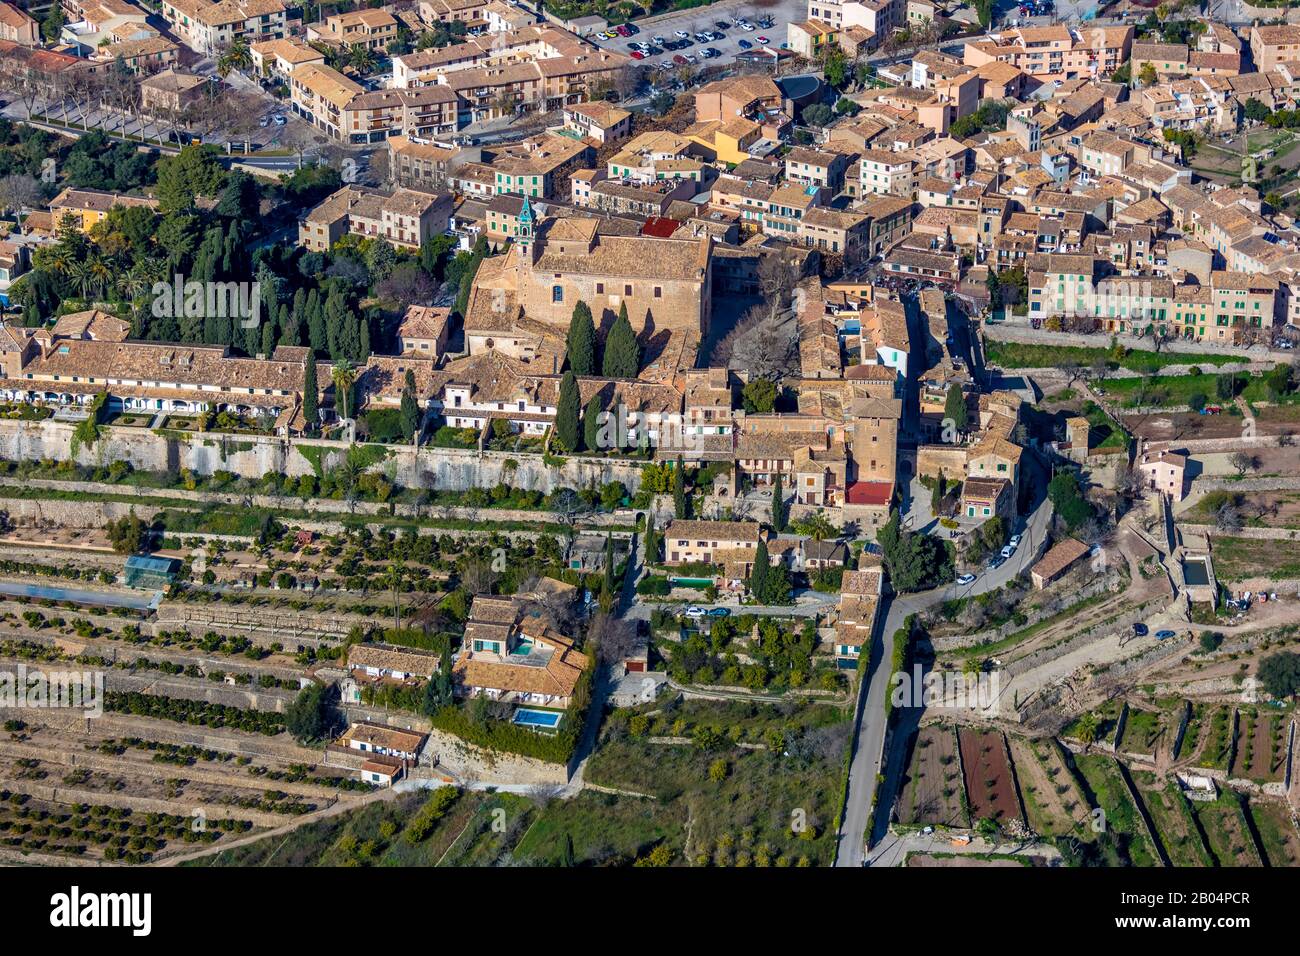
<point x="1228" y="518"/>
<point x="478" y="577"/>
<point x="615" y="639"/>
<point x="19" y="193"/>
<point x="1243" y="462"/>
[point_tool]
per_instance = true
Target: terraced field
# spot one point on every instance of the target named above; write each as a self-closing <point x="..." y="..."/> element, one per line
<point x="1174" y="823"/>
<point x="1053" y="801"/>
<point x="1101" y="777"/>
<point x="1224" y="825"/>
<point x="932" y="793"/>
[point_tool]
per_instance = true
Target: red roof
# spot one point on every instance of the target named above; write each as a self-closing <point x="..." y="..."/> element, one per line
<point x="660" y="227"/>
<point x="869" y="493"/>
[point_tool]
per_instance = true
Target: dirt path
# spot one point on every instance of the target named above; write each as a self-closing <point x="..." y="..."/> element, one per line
<point x="343" y="806"/>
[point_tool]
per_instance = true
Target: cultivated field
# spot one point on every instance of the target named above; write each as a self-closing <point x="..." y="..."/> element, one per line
<point x="932" y="792"/>
<point x="990" y="783"/>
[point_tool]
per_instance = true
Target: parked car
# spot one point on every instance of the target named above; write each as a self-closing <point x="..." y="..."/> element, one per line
<point x="719" y="612"/>
<point x="690" y="58"/>
<point x="1140" y="629"/>
<point x="997" y="562"/>
<point x="748" y="27"/>
<point x="623" y="30"/>
<point x="679" y="60"/>
<point x="722" y="24"/>
<point x="658" y="39"/>
<point x="682" y="34"/>
<point x="710" y="53"/>
<point x="745" y="44"/>
<point x="764" y="40"/>
<point x="280" y="119"/>
<point x="1165" y="635"/>
<point x="695" y="612"/>
<point x="637" y="55"/>
<point x="965" y="579"/>
<point x="1015" y="541"/>
<point x="1007" y="551"/>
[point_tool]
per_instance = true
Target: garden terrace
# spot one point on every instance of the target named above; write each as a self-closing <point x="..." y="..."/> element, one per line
<point x="990" y="783"/>
<point x="1053" y="801"/>
<point x="932" y="790"/>
<point x="740" y="768"/>
<point x="1105" y="788"/>
<point x="1175" y="825"/>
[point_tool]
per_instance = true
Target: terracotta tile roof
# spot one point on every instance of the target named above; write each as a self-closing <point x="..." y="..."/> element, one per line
<point x="1060" y="557"/>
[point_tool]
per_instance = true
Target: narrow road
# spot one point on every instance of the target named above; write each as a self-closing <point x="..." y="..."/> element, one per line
<point x="868" y="740"/>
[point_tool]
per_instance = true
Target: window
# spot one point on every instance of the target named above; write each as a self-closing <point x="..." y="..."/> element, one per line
<point x="659" y="293"/>
<point x="600" y="288"/>
<point x="627" y="289"/>
<point x="557" y="293"/>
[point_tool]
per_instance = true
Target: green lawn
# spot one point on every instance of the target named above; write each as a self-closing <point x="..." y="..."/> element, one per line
<point x="1025" y="355"/>
<point x="1238" y="558"/>
<point x="1160" y="390"/>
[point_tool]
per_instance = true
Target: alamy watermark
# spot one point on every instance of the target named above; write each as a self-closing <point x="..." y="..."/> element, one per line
<point x="208" y="300"/>
<point x="620" y="429"/>
<point x="949" y="689"/>
<point x="53" y="690"/>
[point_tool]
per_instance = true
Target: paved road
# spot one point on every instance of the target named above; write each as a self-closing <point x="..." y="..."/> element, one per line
<point x="869" y="737"/>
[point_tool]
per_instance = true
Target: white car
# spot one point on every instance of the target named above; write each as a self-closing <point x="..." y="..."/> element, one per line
<point x="695" y="612"/>
<point x="1007" y="552"/>
<point x="657" y="40"/>
<point x="1014" y="542"/>
<point x="965" y="579"/>
<point x="748" y="27"/>
<point x="682" y="35"/>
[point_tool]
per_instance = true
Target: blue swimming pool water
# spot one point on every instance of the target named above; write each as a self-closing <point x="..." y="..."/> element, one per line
<point x="547" y="719"/>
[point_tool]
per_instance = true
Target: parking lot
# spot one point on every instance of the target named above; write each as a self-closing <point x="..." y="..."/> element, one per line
<point x="705" y="19"/>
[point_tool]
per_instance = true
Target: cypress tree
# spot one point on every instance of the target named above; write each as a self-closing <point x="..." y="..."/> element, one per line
<point x="410" y="413"/>
<point x="582" y="341"/>
<point x="309" y="389"/>
<point x="954" y="408"/>
<point x="762" y="566"/>
<point x="591" y="423"/>
<point x="622" y="353"/>
<point x="778" y="506"/>
<point x="679" y="489"/>
<point x="316" y="336"/>
<point x="651" y="542"/>
<point x="567" y="432"/>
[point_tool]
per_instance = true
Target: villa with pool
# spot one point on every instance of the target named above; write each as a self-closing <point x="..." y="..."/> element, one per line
<point x="515" y="656"/>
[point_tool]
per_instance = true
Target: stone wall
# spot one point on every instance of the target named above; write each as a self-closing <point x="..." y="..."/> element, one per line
<point x="253" y="456"/>
<point x="470" y="763"/>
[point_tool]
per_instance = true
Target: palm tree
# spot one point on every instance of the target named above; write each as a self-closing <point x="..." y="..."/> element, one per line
<point x="1085" y="729"/>
<point x="83" y="279"/>
<point x="361" y="58"/>
<point x="343" y="376"/>
<point x="101" y="273"/>
<point x="234" y="57"/>
<point x="139" y="279"/>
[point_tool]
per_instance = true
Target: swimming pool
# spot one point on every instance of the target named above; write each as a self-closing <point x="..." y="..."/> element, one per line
<point x="537" y="719"/>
